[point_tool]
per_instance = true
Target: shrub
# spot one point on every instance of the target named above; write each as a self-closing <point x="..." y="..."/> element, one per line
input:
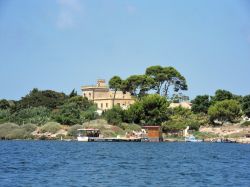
<point x="130" y="127"/>
<point x="245" y="124"/>
<point x="29" y="127"/>
<point x="6" y="129"/>
<point x="17" y="133"/>
<point x="51" y="127"/>
<point x="114" y="115"/>
<point x="226" y="110"/>
<point x="73" y="130"/>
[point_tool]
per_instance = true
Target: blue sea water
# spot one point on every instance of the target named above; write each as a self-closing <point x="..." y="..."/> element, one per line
<point x="59" y="163"/>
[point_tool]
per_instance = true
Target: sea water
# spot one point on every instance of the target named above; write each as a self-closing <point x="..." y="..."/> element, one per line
<point x="60" y="163"/>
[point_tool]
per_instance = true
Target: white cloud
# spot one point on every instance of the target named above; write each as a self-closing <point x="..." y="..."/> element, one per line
<point x="68" y="11"/>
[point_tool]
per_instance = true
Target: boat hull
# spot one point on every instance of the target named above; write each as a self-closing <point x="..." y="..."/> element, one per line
<point x="82" y="139"/>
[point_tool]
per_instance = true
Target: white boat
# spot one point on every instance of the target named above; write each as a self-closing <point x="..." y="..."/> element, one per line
<point x="192" y="139"/>
<point x="85" y="135"/>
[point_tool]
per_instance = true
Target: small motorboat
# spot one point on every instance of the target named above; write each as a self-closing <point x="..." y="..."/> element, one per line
<point x="192" y="139"/>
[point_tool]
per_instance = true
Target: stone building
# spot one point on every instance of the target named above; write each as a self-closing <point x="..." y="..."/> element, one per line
<point x="103" y="97"/>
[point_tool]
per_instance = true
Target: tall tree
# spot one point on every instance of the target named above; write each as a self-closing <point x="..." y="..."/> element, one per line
<point x="73" y="93"/>
<point x="115" y="83"/>
<point x="138" y="85"/>
<point x="201" y="104"/>
<point x="165" y="77"/>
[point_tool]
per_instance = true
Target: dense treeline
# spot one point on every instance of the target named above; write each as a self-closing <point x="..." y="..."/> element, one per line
<point x="40" y="107"/>
<point x="153" y="93"/>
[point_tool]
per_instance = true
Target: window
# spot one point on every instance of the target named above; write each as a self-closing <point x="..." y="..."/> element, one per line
<point x="89" y="94"/>
<point x="118" y="104"/>
<point x="101" y="105"/>
<point x="107" y="105"/>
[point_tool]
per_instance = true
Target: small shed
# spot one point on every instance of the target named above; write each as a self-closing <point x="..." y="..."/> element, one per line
<point x="153" y="133"/>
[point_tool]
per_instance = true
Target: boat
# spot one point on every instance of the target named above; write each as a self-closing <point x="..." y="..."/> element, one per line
<point x="192" y="139"/>
<point x="93" y="135"/>
<point x="86" y="135"/>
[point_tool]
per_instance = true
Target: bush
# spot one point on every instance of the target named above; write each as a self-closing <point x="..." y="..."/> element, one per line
<point x="245" y="124"/>
<point x="4" y="115"/>
<point x="130" y="127"/>
<point x="29" y="127"/>
<point x="173" y="125"/>
<point x="17" y="133"/>
<point x="224" y="111"/>
<point x="37" y="115"/>
<point x="73" y="130"/>
<point x="6" y="129"/>
<point x="51" y="127"/>
<point x="114" y="116"/>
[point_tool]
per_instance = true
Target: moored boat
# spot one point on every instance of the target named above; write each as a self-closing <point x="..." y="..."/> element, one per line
<point x="192" y="139"/>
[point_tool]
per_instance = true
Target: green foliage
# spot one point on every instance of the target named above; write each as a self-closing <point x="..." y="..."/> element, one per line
<point x="130" y="127"/>
<point x="246" y="105"/>
<point x="114" y="116"/>
<point x="138" y="85"/>
<point x="5" y="115"/>
<point x="29" y="127"/>
<point x="180" y="118"/>
<point x="4" y="104"/>
<point x="46" y="98"/>
<point x="51" y="127"/>
<point x="36" y="115"/>
<point x="165" y="77"/>
<point x="204" y="135"/>
<point x="13" y="131"/>
<point x="226" y="110"/>
<point x="115" y="83"/>
<point x="150" y="110"/>
<point x="245" y="124"/>
<point x="6" y="129"/>
<point x="76" y="110"/>
<point x="173" y="125"/>
<point x="73" y="93"/>
<point x="73" y="130"/>
<point x="201" y="104"/>
<point x="221" y="95"/>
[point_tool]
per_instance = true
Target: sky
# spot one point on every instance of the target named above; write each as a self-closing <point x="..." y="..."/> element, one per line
<point x="64" y="44"/>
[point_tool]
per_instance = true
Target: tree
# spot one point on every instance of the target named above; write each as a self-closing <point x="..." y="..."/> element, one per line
<point x="246" y="105"/>
<point x="4" y="104"/>
<point x="223" y="111"/>
<point x="75" y="110"/>
<point x="115" y="83"/>
<point x="165" y="77"/>
<point x="221" y="95"/>
<point x="151" y="110"/>
<point x="138" y="85"/>
<point x="201" y="104"/>
<point x="73" y="93"/>
<point x="46" y="98"/>
<point x="114" y="116"/>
